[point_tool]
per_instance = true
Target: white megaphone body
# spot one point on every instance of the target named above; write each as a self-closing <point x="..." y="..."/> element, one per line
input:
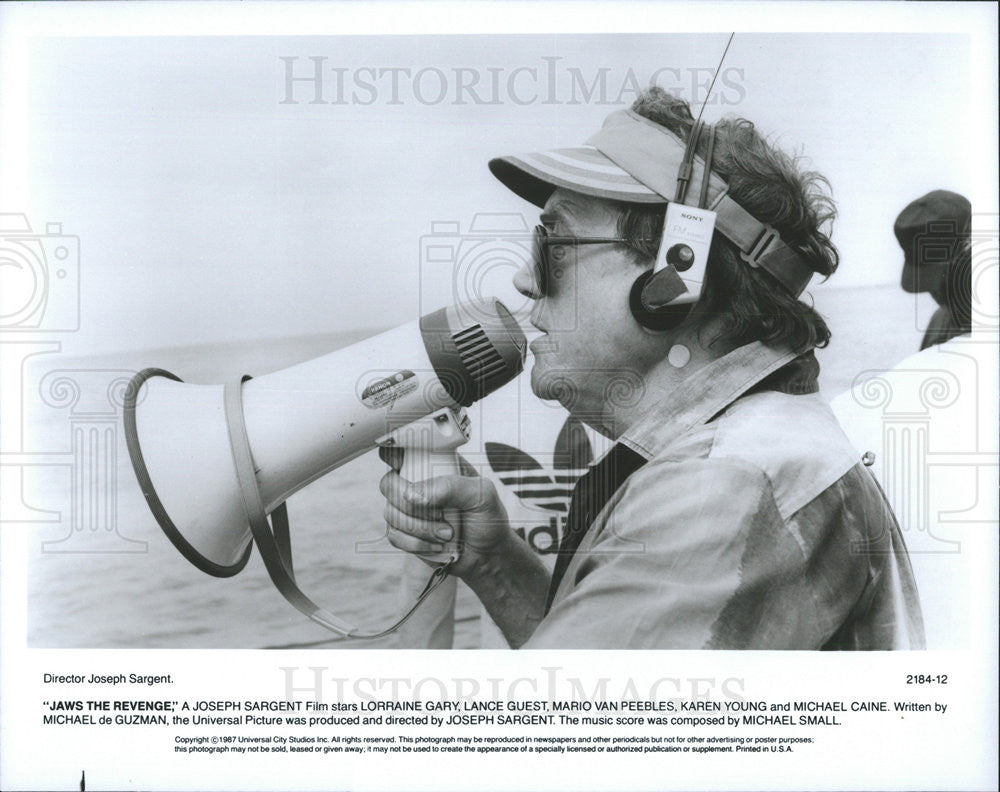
<point x="213" y="460"/>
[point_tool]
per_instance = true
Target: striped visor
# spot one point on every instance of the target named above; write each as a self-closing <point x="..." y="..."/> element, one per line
<point x="630" y="159"/>
<point x="584" y="170"/>
<point x="635" y="160"/>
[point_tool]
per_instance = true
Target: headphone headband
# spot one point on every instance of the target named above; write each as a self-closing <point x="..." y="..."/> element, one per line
<point x="653" y="156"/>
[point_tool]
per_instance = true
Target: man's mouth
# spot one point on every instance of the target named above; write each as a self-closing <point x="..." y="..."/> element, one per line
<point x="542" y="342"/>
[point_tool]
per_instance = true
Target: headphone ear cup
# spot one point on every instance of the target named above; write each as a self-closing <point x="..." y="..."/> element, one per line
<point x="665" y="318"/>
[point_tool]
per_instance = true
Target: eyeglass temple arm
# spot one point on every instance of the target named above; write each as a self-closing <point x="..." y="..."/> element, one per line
<point x="569" y="240"/>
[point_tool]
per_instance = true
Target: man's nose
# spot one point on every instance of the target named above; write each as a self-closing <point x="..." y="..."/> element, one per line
<point x="526" y="281"/>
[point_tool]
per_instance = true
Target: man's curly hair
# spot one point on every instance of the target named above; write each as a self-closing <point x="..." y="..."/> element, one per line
<point x="769" y="185"/>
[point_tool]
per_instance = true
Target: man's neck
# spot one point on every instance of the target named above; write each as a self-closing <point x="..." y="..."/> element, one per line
<point x="684" y="355"/>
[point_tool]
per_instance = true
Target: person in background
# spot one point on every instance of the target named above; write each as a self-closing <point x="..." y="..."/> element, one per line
<point x="933" y="232"/>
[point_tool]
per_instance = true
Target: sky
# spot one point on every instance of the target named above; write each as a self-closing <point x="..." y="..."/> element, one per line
<point x="216" y="202"/>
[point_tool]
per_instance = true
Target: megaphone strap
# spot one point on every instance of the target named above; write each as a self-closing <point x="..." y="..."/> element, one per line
<point x="275" y="543"/>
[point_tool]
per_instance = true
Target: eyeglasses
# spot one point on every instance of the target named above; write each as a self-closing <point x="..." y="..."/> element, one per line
<point x="540" y="250"/>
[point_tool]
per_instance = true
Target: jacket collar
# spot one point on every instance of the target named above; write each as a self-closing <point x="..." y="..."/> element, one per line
<point x="703" y="395"/>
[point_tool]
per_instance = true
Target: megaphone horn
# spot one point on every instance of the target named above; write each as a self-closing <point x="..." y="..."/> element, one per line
<point x="299" y="423"/>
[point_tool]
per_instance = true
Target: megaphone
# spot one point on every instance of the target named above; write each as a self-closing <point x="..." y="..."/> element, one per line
<point x="213" y="460"/>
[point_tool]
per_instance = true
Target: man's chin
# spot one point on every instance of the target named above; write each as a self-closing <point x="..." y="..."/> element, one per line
<point x="551" y="384"/>
<point x="539" y="382"/>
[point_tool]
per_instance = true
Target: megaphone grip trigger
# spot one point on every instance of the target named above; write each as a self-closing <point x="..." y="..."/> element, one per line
<point x="392" y="456"/>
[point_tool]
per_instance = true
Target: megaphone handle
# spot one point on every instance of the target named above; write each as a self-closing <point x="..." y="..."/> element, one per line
<point x="275" y="561"/>
<point x="420" y="465"/>
<point x="434" y="626"/>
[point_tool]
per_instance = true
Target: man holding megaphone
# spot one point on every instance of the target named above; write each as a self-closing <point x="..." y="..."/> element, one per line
<point x="731" y="512"/>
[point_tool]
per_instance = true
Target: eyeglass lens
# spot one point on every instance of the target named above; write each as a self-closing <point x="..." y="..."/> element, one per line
<point x="540" y="259"/>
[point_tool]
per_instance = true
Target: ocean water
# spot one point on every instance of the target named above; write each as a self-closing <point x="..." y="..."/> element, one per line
<point x="118" y="582"/>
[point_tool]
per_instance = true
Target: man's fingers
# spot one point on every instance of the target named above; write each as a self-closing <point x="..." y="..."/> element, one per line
<point x="431" y="531"/>
<point x="404" y="496"/>
<point x="424" y="498"/>
<point x="412" y="544"/>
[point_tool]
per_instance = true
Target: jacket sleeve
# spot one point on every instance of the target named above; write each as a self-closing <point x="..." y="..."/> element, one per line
<point x="694" y="554"/>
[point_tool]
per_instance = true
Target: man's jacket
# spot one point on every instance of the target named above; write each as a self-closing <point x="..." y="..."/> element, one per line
<point x="749" y="522"/>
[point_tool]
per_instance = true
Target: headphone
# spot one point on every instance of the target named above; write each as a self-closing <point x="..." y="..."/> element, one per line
<point x="659" y="319"/>
<point x="654" y="299"/>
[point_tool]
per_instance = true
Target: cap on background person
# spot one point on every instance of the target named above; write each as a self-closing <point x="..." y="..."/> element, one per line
<point x="932" y="231"/>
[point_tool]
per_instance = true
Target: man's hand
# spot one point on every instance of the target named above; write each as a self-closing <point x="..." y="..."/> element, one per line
<point x="496" y="563"/>
<point x="423" y="516"/>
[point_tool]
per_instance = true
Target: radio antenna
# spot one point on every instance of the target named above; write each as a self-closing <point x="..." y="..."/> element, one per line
<point x="684" y="172"/>
<point x="686" y="240"/>
<point x="714" y="77"/>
